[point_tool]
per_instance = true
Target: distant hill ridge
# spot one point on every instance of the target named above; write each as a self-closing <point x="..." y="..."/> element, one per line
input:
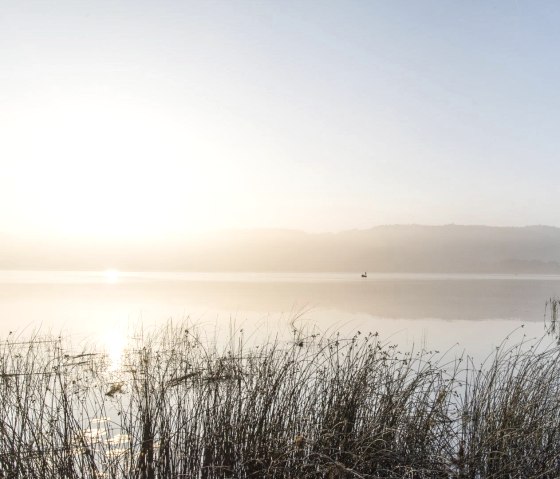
<point x="391" y="248"/>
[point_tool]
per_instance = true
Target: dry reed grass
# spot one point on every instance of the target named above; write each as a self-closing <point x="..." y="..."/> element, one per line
<point x="319" y="407"/>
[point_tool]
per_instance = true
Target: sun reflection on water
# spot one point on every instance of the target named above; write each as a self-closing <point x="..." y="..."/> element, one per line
<point x="115" y="343"/>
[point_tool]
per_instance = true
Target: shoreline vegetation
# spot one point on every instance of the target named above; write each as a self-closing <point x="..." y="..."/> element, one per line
<point x="315" y="407"/>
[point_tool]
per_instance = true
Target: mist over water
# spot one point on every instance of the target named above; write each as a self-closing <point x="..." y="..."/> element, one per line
<point x="473" y="312"/>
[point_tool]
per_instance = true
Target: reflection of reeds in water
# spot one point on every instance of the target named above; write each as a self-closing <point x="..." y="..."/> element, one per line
<point x="318" y="407"/>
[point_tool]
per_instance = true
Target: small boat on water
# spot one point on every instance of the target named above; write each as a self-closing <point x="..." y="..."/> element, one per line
<point x="364" y="275"/>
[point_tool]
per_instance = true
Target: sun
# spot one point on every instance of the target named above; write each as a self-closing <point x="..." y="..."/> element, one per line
<point x="112" y="275"/>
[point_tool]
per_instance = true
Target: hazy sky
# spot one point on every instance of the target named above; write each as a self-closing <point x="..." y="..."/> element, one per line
<point x="163" y="117"/>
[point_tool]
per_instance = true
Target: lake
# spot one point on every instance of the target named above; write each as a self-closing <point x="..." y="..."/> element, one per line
<point x="463" y="312"/>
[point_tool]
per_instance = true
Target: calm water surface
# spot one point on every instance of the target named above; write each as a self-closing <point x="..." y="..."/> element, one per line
<point x="434" y="311"/>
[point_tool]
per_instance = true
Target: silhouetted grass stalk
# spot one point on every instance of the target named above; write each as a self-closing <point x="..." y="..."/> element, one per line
<point x="317" y="407"/>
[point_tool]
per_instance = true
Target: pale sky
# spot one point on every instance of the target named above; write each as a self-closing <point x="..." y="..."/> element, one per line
<point x="154" y="118"/>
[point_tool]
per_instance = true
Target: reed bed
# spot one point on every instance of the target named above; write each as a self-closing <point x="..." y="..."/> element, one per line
<point x="314" y="407"/>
